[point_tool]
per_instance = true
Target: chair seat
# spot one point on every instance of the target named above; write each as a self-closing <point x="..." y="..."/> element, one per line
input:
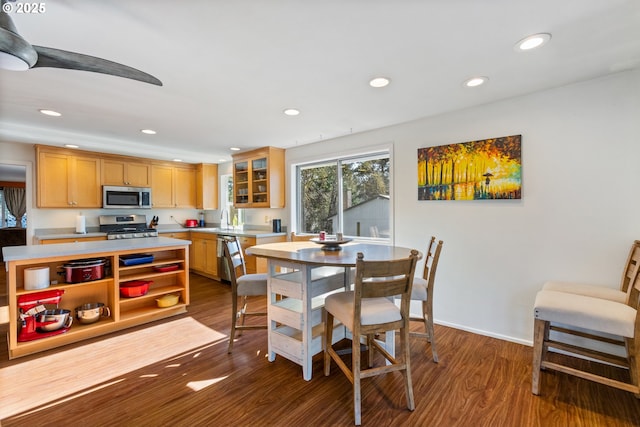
<point x="419" y="289"/>
<point x="374" y="310"/>
<point x="586" y="312"/>
<point x="594" y="291"/>
<point x="252" y="284"/>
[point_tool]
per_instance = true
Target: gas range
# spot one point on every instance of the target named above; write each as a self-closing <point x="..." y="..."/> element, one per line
<point x="126" y="227"/>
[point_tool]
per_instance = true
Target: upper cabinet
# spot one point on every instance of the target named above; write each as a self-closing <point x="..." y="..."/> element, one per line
<point x="123" y="172"/>
<point x="173" y="186"/>
<point x="66" y="180"/>
<point x="207" y="186"/>
<point x="73" y="179"/>
<point x="258" y="178"/>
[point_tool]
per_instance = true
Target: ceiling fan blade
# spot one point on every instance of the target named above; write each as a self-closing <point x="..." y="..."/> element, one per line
<point x="12" y="43"/>
<point x="56" y="58"/>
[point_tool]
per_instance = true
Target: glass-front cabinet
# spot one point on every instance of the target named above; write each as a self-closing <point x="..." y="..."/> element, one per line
<point x="259" y="178"/>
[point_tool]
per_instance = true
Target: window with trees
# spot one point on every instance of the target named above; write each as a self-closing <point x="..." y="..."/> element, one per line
<point x="348" y="195"/>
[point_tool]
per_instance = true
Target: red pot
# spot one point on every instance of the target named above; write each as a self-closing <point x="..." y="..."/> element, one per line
<point x="84" y="270"/>
<point x="135" y="288"/>
<point x="190" y="223"/>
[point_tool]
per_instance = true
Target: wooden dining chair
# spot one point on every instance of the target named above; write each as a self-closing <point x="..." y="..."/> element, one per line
<point x="422" y="291"/>
<point x="243" y="285"/>
<point x="592" y="320"/>
<point x="368" y="310"/>
<point x="609" y="293"/>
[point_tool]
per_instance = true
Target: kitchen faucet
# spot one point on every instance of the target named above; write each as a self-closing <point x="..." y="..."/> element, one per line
<point x="224" y="215"/>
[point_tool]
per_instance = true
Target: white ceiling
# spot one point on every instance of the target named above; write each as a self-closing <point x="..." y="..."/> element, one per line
<point x="230" y="68"/>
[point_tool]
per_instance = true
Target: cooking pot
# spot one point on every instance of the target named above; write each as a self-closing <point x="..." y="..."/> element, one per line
<point x="84" y="270"/>
<point x="135" y="288"/>
<point x="52" y="320"/>
<point x="91" y="312"/>
<point x="190" y="223"/>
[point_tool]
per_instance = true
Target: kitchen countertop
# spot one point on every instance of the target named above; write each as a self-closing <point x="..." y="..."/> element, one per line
<point x="230" y="232"/>
<point x="17" y="253"/>
<point x="68" y="233"/>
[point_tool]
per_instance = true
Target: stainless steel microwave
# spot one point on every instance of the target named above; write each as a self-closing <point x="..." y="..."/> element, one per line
<point x="116" y="197"/>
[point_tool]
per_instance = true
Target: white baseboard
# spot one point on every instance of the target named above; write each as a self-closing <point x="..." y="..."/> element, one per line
<point x="485" y="333"/>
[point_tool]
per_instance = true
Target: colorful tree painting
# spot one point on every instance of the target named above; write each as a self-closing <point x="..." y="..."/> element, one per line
<point x="475" y="170"/>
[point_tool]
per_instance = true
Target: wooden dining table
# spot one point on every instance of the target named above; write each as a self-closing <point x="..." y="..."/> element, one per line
<point x="300" y="275"/>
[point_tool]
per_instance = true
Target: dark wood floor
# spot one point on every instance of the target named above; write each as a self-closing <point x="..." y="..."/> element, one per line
<point x="479" y="381"/>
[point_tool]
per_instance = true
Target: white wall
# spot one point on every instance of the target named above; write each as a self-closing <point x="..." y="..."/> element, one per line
<point x="576" y="218"/>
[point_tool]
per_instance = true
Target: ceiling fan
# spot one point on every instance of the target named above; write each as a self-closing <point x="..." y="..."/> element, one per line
<point x="18" y="54"/>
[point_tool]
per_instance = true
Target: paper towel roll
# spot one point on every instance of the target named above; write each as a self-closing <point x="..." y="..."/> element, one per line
<point x="81" y="224"/>
<point x="36" y="278"/>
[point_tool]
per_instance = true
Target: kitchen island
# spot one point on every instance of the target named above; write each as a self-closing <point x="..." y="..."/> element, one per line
<point x="161" y="263"/>
<point x="205" y="254"/>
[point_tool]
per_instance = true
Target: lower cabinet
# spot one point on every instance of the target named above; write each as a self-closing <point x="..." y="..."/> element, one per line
<point x="165" y="274"/>
<point x="204" y="254"/>
<point x="254" y="264"/>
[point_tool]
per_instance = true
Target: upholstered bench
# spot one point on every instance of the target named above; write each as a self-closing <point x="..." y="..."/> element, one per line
<point x="588" y="290"/>
<point x="573" y="313"/>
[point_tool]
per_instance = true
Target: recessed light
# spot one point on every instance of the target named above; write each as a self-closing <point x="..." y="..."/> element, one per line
<point x="291" y="112"/>
<point x="476" y="81"/>
<point x="532" y="42"/>
<point x="50" y="113"/>
<point x="177" y="160"/>
<point x="71" y="146"/>
<point x="148" y="131"/>
<point x="379" y="82"/>
<point x="234" y="149"/>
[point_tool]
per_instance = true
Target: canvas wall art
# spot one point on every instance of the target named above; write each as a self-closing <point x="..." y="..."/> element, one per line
<point x="474" y="170"/>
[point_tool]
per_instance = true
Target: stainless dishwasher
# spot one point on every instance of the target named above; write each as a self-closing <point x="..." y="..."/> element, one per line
<point x="223" y="267"/>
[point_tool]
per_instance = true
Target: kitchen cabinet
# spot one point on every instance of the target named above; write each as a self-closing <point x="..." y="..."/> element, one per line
<point x="67" y="180"/>
<point x="206" y="186"/>
<point x="45" y="241"/>
<point x="124" y="172"/>
<point x="173" y="186"/>
<point x="183" y="235"/>
<point x="252" y="263"/>
<point x="185" y="187"/>
<point x="125" y="312"/>
<point x="204" y="254"/>
<point x="258" y="178"/>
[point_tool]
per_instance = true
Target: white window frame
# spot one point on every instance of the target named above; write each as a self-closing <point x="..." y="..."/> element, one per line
<point x="350" y="155"/>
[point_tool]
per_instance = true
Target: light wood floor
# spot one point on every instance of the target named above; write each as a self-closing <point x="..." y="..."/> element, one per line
<point x="479" y="381"/>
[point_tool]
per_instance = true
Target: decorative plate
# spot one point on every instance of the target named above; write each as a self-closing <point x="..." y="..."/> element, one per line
<point x="330" y="245"/>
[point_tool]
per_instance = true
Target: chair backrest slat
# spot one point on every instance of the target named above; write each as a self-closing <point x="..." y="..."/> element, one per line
<point x="384" y="278"/>
<point x="633" y="260"/>
<point x="428" y="258"/>
<point x="235" y="259"/>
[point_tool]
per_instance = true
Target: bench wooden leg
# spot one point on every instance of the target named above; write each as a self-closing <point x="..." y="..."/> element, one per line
<point x="540" y="334"/>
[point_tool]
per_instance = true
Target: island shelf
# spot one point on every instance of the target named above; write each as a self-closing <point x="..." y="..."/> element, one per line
<point x="168" y="274"/>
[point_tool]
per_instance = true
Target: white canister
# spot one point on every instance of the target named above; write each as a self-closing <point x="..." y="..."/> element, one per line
<point x="36" y="278"/>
